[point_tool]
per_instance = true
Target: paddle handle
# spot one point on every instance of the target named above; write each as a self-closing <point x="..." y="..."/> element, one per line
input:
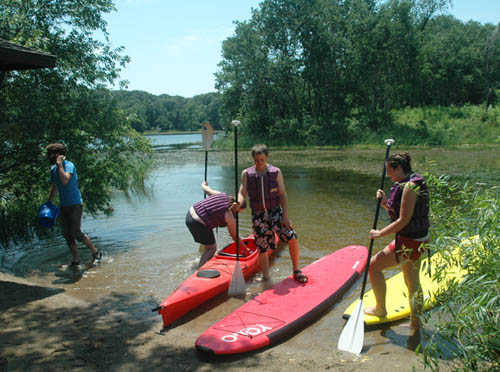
<point x="235" y="123"/>
<point x="377" y="211"/>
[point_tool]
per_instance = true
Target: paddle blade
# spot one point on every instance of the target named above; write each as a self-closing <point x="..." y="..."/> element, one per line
<point x="237" y="287"/>
<point x="352" y="336"/>
<point x="207" y="135"/>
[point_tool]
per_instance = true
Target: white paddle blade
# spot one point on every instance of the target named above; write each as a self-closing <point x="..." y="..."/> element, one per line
<point x="352" y="336"/>
<point x="207" y="135"/>
<point x="237" y="287"/>
<point x="389" y="142"/>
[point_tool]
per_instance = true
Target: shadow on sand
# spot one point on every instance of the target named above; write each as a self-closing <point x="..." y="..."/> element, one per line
<point x="14" y="294"/>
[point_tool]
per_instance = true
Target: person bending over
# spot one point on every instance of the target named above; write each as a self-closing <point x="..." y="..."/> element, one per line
<point x="218" y="210"/>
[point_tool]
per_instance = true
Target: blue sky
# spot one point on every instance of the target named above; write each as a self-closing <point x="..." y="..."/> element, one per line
<point x="175" y="45"/>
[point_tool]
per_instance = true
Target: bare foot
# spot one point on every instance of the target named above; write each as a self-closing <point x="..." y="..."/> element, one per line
<point x="412" y="324"/>
<point x="375" y="312"/>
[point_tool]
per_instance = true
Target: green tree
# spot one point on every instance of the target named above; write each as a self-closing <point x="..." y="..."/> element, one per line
<point x="491" y="70"/>
<point x="305" y="70"/>
<point x="243" y="78"/>
<point x="70" y="104"/>
<point x="166" y="112"/>
<point x="450" y="60"/>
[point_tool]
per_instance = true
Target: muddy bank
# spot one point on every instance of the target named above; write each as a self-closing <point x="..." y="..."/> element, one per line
<point x="49" y="328"/>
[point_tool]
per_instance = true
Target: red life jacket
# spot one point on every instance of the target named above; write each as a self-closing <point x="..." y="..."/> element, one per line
<point x="419" y="222"/>
<point x="263" y="190"/>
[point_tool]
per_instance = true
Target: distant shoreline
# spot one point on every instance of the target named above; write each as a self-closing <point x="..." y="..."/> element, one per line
<point x="170" y="132"/>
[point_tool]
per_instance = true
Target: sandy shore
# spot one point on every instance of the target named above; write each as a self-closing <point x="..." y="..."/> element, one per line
<point x="46" y="328"/>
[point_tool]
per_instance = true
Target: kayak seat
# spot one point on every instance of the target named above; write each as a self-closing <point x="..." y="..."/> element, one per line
<point x="225" y="254"/>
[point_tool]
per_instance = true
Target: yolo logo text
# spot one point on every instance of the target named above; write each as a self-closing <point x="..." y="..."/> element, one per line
<point x="249" y="332"/>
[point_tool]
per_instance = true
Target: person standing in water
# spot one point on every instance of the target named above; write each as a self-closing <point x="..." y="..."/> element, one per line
<point x="268" y="201"/>
<point x="408" y="208"/>
<point x="218" y="210"/>
<point x="65" y="181"/>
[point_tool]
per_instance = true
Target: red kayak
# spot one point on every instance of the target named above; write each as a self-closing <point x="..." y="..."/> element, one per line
<point x="210" y="280"/>
<point x="287" y="307"/>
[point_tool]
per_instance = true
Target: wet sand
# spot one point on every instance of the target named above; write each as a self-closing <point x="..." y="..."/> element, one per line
<point x="52" y="328"/>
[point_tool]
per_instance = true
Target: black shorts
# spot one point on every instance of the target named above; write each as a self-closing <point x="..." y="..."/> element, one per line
<point x="201" y="233"/>
<point x="71" y="220"/>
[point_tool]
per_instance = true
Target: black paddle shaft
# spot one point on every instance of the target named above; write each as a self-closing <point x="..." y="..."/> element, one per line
<point x="206" y="166"/>
<point x="236" y="190"/>
<point x="379" y="201"/>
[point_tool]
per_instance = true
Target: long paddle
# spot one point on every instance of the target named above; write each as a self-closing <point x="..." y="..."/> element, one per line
<point x="207" y="135"/>
<point x="237" y="287"/>
<point x="352" y="336"/>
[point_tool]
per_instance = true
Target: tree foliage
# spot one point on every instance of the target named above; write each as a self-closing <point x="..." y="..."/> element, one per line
<point x="306" y="70"/>
<point x="67" y="104"/>
<point x="150" y="112"/>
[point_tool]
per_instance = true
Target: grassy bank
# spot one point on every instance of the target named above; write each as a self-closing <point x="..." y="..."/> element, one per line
<point x="449" y="125"/>
<point x="432" y="126"/>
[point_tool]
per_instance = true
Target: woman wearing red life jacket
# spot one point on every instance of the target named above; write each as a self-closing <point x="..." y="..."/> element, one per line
<point x="408" y="208"/>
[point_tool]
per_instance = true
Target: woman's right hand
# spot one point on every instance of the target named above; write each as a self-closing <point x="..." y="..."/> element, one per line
<point x="381" y="195"/>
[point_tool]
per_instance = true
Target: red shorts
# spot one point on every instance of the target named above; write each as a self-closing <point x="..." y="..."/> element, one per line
<point x="407" y="248"/>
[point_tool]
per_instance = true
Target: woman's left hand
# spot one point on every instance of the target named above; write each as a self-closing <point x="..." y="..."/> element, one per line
<point x="374" y="234"/>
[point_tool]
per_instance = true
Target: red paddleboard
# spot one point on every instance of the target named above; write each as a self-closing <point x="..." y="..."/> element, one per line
<point x="287" y="307"/>
<point x="210" y="280"/>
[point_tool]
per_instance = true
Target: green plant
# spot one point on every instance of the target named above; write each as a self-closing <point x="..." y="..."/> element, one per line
<point x="467" y="324"/>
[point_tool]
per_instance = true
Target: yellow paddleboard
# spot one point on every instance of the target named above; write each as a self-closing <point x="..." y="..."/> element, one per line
<point x="397" y="302"/>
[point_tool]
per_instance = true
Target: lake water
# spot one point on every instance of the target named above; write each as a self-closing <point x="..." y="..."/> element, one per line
<point x="149" y="251"/>
<point x="165" y="142"/>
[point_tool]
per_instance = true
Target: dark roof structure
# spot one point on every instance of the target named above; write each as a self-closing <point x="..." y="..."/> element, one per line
<point x="18" y="57"/>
